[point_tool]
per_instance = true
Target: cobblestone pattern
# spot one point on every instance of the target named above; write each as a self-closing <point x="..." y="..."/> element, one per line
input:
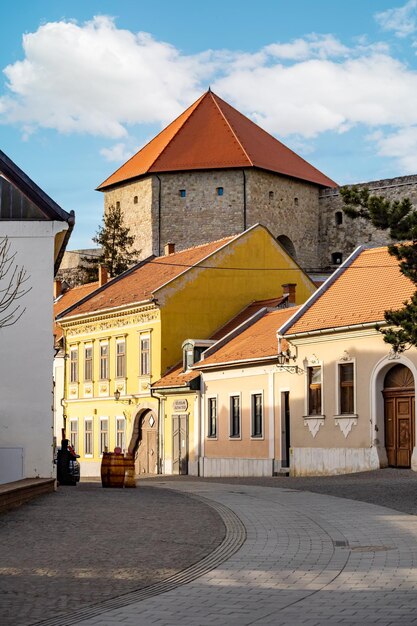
<point x="84" y="544"/>
<point x="309" y="559"/>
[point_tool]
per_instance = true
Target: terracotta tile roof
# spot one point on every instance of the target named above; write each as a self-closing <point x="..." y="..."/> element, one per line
<point x="255" y="342"/>
<point x="139" y="283"/>
<point x="176" y="377"/>
<point x="359" y="294"/>
<point x="69" y="298"/>
<point x="211" y="134"/>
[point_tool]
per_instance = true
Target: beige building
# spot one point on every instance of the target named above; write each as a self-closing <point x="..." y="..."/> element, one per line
<point x="352" y="398"/>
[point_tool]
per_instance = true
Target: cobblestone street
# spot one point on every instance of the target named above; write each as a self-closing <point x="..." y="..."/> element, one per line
<point x="154" y="555"/>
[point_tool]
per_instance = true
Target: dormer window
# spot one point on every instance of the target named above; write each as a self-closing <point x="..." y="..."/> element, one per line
<point x="192" y="350"/>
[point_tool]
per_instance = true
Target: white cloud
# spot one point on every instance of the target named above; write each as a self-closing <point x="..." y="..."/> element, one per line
<point x="118" y="153"/>
<point x="401" y="20"/>
<point x="401" y="145"/>
<point x="95" y="78"/>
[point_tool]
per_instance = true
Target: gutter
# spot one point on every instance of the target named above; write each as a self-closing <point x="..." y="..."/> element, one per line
<point x="327" y="331"/>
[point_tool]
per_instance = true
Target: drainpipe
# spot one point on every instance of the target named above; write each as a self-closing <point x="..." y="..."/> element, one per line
<point x="159" y="214"/>
<point x="244" y="200"/>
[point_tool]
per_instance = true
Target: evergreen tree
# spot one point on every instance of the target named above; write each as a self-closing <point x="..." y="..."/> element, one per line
<point x="399" y="218"/>
<point x="115" y="242"/>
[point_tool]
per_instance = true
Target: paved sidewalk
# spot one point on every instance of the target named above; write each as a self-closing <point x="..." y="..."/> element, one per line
<point x="308" y="559"/>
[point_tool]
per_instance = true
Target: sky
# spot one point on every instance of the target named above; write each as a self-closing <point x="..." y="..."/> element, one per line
<point x="84" y="85"/>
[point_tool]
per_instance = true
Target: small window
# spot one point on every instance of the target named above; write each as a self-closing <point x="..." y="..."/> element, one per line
<point x="135" y="200"/>
<point x="183" y="193"/>
<point x="296" y="201"/>
<point x="74" y="365"/>
<point x="104" y="361"/>
<point x="117" y="205"/>
<point x="104" y="435"/>
<point x="145" y="353"/>
<point x="337" y="258"/>
<point x="74" y="434"/>
<point x="346" y="388"/>
<point x="88" y="437"/>
<point x="120" y="432"/>
<point x="219" y="191"/>
<point x="271" y="196"/>
<point x="314" y="390"/>
<point x="121" y="359"/>
<point x="256" y="409"/>
<point x="88" y="363"/>
<point x="212" y="417"/>
<point x="338" y="218"/>
<point x="235" y="416"/>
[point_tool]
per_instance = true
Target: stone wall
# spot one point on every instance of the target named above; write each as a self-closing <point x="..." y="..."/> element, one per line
<point x="344" y="237"/>
<point x="289" y="208"/>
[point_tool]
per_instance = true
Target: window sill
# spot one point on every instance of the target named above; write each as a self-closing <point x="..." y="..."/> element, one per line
<point x="346" y="416"/>
<point x="235" y="438"/>
<point x="257" y="438"/>
<point x="314" y="417"/>
<point x="212" y="437"/>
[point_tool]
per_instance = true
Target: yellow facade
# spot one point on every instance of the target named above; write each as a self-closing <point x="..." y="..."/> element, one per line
<point x="193" y="305"/>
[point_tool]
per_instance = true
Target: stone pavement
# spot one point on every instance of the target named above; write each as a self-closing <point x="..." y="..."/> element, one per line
<point x="83" y="545"/>
<point x="308" y="559"/>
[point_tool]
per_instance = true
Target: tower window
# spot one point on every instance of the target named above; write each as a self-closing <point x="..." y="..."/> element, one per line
<point x="271" y="195"/>
<point x="183" y="193"/>
<point x="117" y="205"/>
<point x="337" y="258"/>
<point x="219" y="191"/>
<point x="135" y="200"/>
<point x="296" y="201"/>
<point x="338" y="218"/>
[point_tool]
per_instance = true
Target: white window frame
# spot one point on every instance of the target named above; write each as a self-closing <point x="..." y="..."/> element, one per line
<point x="145" y="337"/>
<point x="74" y="420"/>
<point x="123" y="419"/>
<point x="74" y="350"/>
<point x="338" y="395"/>
<point x="235" y="437"/>
<point x="258" y="392"/>
<point x="101" y="447"/>
<point x="89" y="455"/>
<point x="88" y="346"/>
<point x="208" y="419"/>
<point x="119" y="341"/>
<point x="308" y="365"/>
<point x="102" y="344"/>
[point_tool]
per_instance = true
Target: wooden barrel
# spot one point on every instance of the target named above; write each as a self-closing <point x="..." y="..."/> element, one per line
<point x="105" y="468"/>
<point x="130" y="471"/>
<point x="117" y="470"/>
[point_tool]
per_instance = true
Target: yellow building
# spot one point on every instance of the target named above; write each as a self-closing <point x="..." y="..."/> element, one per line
<point x="127" y="334"/>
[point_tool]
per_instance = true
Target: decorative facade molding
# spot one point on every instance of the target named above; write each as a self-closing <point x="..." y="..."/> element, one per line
<point x="345" y="424"/>
<point x="314" y="424"/>
<point x="110" y="321"/>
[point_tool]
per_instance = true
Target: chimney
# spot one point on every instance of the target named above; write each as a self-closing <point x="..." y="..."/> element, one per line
<point x="102" y="275"/>
<point x="57" y="288"/>
<point x="289" y="290"/>
<point x="169" y="248"/>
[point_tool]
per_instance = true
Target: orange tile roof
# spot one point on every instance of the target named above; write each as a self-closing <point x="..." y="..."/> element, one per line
<point x="139" y="283"/>
<point x="176" y="377"/>
<point x="211" y="134"/>
<point x="69" y="298"/>
<point x="358" y="293"/>
<point x="258" y="341"/>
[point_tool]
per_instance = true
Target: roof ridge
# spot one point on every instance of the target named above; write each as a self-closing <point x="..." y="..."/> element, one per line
<point x="199" y="245"/>
<point x="193" y="104"/>
<point x="214" y="96"/>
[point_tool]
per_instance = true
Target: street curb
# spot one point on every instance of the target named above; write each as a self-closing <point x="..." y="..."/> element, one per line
<point x="234" y="539"/>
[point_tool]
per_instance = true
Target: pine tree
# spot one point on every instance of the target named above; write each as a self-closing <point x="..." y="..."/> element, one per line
<point x="115" y="242"/>
<point x="399" y="218"/>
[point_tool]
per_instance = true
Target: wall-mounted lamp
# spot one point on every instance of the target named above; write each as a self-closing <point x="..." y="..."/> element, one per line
<point x="117" y="398"/>
<point x="284" y="358"/>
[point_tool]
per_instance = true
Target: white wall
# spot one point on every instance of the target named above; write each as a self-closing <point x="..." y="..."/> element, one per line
<point x="26" y="352"/>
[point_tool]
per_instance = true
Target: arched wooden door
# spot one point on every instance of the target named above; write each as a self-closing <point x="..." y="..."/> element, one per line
<point x="145" y="446"/>
<point x="399" y="403"/>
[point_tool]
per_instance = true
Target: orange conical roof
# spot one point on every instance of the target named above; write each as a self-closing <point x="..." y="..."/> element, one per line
<point x="211" y="134"/>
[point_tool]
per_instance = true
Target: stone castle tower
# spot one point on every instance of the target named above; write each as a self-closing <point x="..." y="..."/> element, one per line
<point x="213" y="172"/>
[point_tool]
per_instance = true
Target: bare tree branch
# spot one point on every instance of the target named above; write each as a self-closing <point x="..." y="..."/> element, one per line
<point x="13" y="287"/>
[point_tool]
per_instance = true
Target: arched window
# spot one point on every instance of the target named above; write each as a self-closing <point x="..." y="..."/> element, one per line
<point x="288" y="245"/>
<point x="337" y="258"/>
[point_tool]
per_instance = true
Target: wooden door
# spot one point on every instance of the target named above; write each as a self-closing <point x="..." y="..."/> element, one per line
<point x="179" y="444"/>
<point x="399" y="416"/>
<point x="146" y="450"/>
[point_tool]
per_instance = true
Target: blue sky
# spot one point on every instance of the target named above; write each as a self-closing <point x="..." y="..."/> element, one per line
<point x="85" y="84"/>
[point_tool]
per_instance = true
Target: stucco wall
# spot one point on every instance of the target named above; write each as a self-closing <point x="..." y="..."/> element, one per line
<point x="26" y="354"/>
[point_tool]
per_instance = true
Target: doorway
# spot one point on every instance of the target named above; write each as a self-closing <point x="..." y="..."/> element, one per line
<point x="145" y="449"/>
<point x="180" y="444"/>
<point x="399" y="412"/>
<point x="285" y="429"/>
